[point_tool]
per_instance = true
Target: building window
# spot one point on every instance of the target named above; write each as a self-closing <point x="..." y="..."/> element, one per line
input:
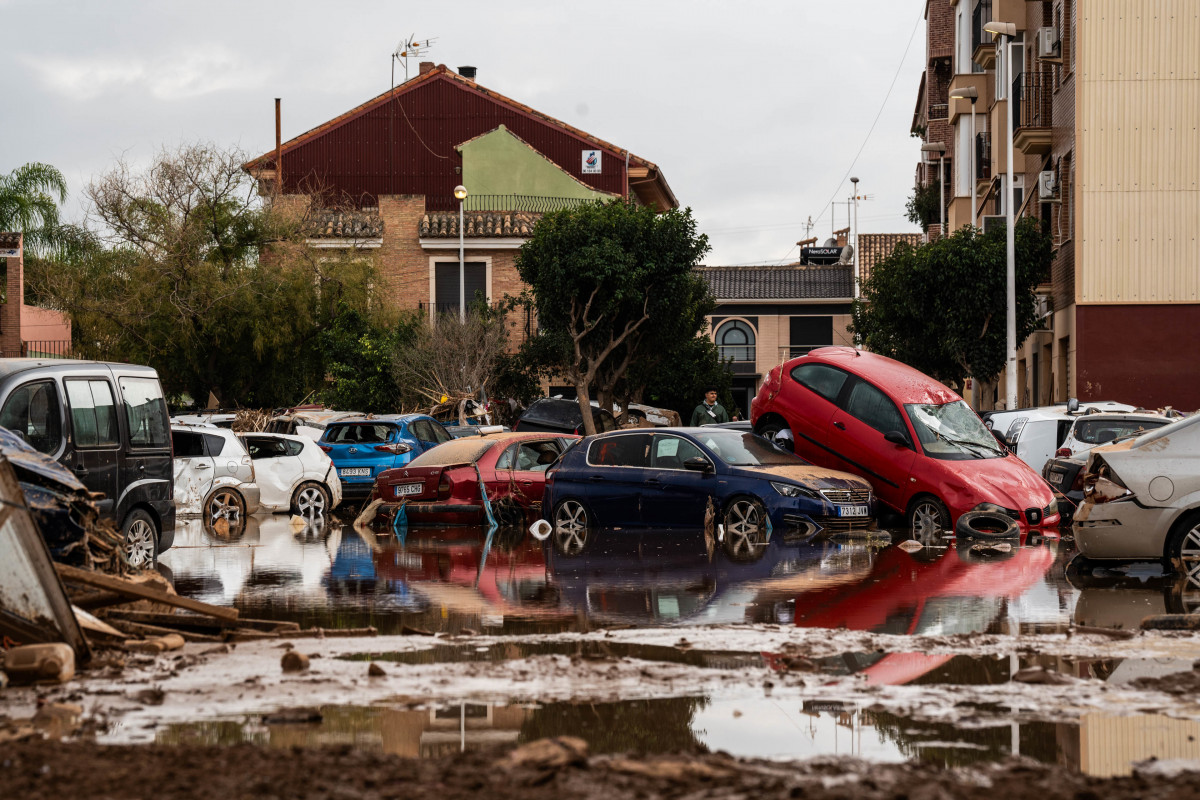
<point x="445" y="290"/>
<point x="809" y="333"/>
<point x="735" y="340"/>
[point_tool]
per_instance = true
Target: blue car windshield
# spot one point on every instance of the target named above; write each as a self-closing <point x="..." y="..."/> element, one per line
<point x="744" y="449"/>
<point x="952" y="431"/>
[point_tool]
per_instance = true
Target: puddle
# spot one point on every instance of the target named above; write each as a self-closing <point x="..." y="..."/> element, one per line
<point x="1100" y="744"/>
<point x="454" y="580"/>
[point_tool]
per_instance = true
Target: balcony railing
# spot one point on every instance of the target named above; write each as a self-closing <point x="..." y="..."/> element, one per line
<point x="939" y="110"/>
<point x="1033" y="101"/>
<point x="505" y="202"/>
<point x="797" y="350"/>
<point x="58" y="348"/>
<point x="736" y="352"/>
<point x="983" y="157"/>
<point x="980" y="17"/>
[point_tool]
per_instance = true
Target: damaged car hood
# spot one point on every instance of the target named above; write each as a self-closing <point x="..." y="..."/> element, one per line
<point x="810" y="477"/>
<point x="1161" y="467"/>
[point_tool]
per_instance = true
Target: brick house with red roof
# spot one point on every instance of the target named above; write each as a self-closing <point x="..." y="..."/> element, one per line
<point x="390" y="166"/>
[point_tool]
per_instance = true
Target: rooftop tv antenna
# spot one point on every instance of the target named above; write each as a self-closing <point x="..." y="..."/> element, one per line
<point x="412" y="47"/>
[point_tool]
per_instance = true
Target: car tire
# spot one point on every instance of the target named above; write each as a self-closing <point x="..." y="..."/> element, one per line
<point x="986" y="525"/>
<point x="1183" y="546"/>
<point x="771" y="430"/>
<point x="927" y="518"/>
<point x="140" y="535"/>
<point x="310" y="500"/>
<point x="572" y="526"/>
<point x="224" y="502"/>
<point x="745" y="521"/>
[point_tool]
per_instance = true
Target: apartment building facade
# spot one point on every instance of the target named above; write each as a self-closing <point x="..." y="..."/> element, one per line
<point x="1105" y="103"/>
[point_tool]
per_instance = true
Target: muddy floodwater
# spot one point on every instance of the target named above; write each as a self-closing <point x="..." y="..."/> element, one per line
<point x="480" y="615"/>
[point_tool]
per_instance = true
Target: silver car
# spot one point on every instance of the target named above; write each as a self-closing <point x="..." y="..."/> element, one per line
<point x="1142" y="498"/>
<point x="214" y="476"/>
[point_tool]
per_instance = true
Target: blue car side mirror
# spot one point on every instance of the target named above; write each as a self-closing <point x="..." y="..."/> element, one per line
<point x="698" y="464"/>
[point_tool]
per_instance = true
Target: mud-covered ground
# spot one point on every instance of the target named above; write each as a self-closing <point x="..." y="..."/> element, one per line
<point x="546" y="768"/>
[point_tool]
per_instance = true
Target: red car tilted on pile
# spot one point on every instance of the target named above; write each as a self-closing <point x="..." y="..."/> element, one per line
<point x="926" y="453"/>
<point x="441" y="486"/>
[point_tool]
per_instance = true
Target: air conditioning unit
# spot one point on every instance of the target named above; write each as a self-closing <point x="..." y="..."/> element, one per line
<point x="993" y="221"/>
<point x="1044" y="307"/>
<point x="1049" y="46"/>
<point x="1047" y="184"/>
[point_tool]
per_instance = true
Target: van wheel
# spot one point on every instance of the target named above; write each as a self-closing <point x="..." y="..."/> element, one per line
<point x="224" y="503"/>
<point x="141" y="538"/>
<point x="310" y="500"/>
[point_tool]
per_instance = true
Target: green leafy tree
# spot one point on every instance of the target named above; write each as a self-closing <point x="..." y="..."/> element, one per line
<point x="29" y="198"/>
<point x="607" y="280"/>
<point x="191" y="273"/>
<point x="358" y="355"/>
<point x="941" y="307"/>
<point x="923" y="206"/>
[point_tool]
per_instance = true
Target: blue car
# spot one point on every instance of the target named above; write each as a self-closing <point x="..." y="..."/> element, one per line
<point x="666" y="478"/>
<point x="363" y="447"/>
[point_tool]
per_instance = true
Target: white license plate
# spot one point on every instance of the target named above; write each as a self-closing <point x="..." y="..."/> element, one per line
<point x="853" y="511"/>
<point x="1056" y="478"/>
<point x="354" y="472"/>
<point x="409" y="488"/>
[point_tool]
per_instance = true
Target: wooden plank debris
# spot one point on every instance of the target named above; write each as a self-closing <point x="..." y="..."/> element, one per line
<point x="130" y="589"/>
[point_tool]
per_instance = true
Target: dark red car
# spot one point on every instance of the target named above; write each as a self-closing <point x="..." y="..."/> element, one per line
<point x="927" y="454"/>
<point x="441" y="486"/>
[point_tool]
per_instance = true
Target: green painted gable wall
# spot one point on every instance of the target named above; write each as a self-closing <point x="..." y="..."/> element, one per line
<point x="499" y="163"/>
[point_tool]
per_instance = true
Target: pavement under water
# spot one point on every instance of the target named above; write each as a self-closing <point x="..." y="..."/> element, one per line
<point x="663" y="641"/>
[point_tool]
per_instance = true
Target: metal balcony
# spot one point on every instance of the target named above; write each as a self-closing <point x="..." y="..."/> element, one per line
<point x="1033" y="113"/>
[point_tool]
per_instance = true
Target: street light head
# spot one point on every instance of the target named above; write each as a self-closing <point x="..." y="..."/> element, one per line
<point x="460" y="192"/>
<point x="1001" y="28"/>
<point x="965" y="93"/>
<point x="933" y="147"/>
<point x="854" y="180"/>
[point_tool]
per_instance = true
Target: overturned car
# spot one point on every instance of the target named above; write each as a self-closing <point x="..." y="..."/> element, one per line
<point x="1141" y="498"/>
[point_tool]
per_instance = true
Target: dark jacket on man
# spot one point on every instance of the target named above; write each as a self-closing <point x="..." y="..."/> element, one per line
<point x="704" y="414"/>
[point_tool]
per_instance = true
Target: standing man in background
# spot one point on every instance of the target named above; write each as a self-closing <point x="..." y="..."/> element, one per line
<point x="709" y="411"/>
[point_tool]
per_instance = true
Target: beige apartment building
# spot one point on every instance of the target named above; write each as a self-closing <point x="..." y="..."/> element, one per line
<point x="1105" y="100"/>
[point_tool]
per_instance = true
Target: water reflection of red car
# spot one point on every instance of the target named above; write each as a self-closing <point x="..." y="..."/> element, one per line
<point x="927" y="454"/>
<point x="441" y="486"/>
<point x="913" y="595"/>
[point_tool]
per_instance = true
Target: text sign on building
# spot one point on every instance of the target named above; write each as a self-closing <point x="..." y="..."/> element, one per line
<point x="591" y="161"/>
<point x="9" y="252"/>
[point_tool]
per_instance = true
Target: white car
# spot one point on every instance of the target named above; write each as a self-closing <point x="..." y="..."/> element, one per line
<point x="1142" y="498"/>
<point x="214" y="476"/>
<point x="1093" y="430"/>
<point x="1036" y="434"/>
<point x="293" y="474"/>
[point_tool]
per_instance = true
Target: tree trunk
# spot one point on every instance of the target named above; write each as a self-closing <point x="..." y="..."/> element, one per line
<point x="585" y="407"/>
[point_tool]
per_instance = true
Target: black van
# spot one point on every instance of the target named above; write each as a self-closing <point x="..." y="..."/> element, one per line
<point x="556" y="415"/>
<point x="107" y="423"/>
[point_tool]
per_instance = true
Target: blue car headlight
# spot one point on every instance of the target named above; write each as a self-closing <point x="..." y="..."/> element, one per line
<point x="792" y="490"/>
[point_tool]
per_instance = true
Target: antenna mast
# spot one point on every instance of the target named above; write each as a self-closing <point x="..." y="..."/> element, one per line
<point x="412" y="47"/>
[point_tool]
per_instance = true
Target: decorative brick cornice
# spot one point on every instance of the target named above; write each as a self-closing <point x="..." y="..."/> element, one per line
<point x="479" y="224"/>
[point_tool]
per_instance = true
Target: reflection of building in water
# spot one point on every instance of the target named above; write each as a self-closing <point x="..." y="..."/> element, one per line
<point x="1109" y="745"/>
<point x="418" y="733"/>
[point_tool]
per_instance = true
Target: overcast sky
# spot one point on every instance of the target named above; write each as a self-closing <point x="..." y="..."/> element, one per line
<point x="755" y="111"/>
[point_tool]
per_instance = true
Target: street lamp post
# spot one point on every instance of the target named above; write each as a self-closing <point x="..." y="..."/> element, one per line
<point x="460" y="192"/>
<point x="940" y="149"/>
<point x="855" y="251"/>
<point x="971" y="93"/>
<point x="1008" y="30"/>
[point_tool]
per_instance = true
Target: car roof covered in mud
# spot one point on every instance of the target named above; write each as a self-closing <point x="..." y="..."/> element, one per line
<point x="902" y="382"/>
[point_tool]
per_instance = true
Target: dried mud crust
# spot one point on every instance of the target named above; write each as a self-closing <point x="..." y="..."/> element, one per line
<point x="547" y="768"/>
